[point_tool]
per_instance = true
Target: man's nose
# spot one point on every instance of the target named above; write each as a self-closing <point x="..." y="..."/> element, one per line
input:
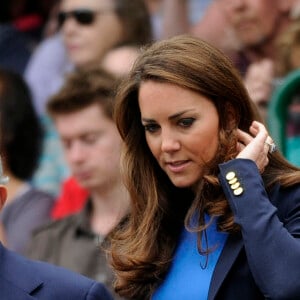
<point x="76" y="152"/>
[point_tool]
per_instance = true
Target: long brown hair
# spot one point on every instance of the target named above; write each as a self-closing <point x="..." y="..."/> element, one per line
<point x="142" y="247"/>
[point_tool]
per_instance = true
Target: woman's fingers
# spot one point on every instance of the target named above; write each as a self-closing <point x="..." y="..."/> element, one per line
<point x="255" y="146"/>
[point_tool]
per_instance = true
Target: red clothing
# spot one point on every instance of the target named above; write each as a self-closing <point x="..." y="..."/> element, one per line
<point x="28" y="22"/>
<point x="72" y="199"/>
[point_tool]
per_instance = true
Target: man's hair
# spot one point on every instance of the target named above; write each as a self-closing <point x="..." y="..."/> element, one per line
<point x="20" y="129"/>
<point x="82" y="89"/>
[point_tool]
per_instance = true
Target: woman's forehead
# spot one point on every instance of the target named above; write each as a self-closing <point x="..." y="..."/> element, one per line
<point x="92" y="4"/>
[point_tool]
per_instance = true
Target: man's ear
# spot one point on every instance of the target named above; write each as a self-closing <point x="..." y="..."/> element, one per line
<point x="3" y="195"/>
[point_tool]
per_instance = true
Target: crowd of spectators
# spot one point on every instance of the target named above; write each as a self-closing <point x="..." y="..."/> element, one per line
<point x="43" y="42"/>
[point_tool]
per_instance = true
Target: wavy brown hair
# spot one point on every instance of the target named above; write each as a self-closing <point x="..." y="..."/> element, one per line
<point x="142" y="247"/>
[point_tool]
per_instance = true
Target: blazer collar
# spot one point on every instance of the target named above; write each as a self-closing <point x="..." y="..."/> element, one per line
<point x="17" y="278"/>
<point x="228" y="256"/>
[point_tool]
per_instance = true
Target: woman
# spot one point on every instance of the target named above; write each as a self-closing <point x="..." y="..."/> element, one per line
<point x="215" y="208"/>
<point x="88" y="29"/>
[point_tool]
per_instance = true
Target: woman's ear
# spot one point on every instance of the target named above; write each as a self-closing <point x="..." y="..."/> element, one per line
<point x="3" y="195"/>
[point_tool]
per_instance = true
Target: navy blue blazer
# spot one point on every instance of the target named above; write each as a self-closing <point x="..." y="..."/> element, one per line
<point x="263" y="262"/>
<point x="23" y="279"/>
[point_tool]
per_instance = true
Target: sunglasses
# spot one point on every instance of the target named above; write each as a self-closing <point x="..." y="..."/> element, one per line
<point x="82" y="16"/>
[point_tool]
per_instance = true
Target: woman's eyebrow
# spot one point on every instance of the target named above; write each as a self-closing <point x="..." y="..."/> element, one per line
<point x="172" y="117"/>
<point x="179" y="114"/>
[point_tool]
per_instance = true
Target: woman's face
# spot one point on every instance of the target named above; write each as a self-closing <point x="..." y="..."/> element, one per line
<point x="86" y="44"/>
<point x="181" y="129"/>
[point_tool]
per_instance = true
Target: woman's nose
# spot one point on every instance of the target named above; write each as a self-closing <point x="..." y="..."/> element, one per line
<point x="69" y="26"/>
<point x="169" y="142"/>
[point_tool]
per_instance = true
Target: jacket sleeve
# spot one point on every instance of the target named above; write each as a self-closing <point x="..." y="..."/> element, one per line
<point x="272" y="244"/>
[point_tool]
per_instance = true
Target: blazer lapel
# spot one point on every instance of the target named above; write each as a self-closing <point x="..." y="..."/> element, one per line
<point x="10" y="291"/>
<point x="17" y="280"/>
<point x="229" y="254"/>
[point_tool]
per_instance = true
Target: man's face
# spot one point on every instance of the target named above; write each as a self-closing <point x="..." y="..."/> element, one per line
<point x="91" y="145"/>
<point x="254" y="21"/>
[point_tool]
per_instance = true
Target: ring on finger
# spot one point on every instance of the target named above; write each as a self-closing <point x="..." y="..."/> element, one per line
<point x="272" y="147"/>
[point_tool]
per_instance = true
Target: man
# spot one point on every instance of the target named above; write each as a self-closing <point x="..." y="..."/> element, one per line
<point x="22" y="279"/>
<point x="204" y="19"/>
<point x="257" y="24"/>
<point x="82" y="114"/>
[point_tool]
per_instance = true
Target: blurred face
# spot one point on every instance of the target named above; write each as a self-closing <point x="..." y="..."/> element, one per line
<point x="181" y="129"/>
<point x="254" y="21"/>
<point x="92" y="145"/>
<point x="87" y="41"/>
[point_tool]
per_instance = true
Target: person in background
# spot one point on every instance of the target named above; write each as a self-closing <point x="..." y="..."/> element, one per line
<point x="15" y="48"/>
<point x="259" y="82"/>
<point x="82" y="22"/>
<point x="287" y="65"/>
<point x="20" y="144"/>
<point x="88" y="30"/>
<point x="24" y="279"/>
<point x="288" y="50"/>
<point x="27" y="16"/>
<point x="82" y="114"/>
<point x="265" y="75"/>
<point x="118" y="61"/>
<point x="256" y="24"/>
<point x="214" y="206"/>
<point x="209" y="24"/>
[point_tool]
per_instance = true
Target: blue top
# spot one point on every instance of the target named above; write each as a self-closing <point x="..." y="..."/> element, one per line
<point x="186" y="278"/>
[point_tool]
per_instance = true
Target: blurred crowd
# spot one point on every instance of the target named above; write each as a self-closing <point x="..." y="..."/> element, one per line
<point x="60" y="147"/>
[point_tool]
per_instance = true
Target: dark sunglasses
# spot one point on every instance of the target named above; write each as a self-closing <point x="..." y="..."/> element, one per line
<point x="82" y="16"/>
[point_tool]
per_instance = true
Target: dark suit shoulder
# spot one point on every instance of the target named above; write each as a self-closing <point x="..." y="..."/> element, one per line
<point x="67" y="284"/>
<point x="24" y="278"/>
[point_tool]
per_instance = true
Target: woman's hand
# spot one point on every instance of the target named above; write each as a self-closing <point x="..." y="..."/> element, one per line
<point x="255" y="146"/>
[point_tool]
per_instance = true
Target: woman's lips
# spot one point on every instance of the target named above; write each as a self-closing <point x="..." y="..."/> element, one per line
<point x="177" y="166"/>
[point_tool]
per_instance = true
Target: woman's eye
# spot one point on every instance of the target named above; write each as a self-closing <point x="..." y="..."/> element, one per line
<point x="187" y="122"/>
<point x="151" y="127"/>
